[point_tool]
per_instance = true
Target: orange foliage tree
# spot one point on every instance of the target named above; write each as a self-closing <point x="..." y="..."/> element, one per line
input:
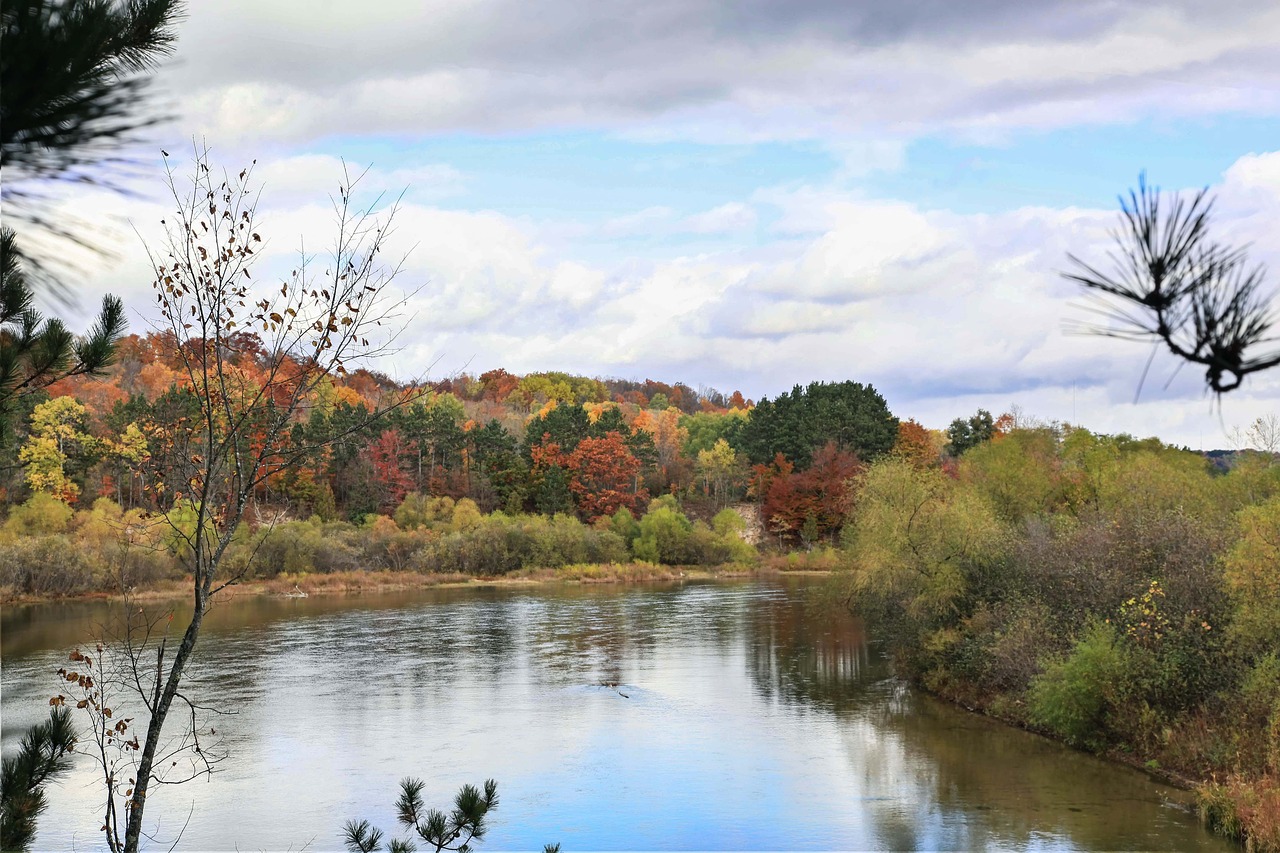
<point x="604" y="476"/>
<point x="914" y="445"/>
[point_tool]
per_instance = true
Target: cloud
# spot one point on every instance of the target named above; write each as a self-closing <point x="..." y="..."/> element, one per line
<point x="943" y="312"/>
<point x="703" y="69"/>
<point x="298" y="178"/>
<point x="725" y="219"/>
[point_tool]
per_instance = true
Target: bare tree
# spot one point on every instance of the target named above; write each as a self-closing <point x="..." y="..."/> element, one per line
<point x="311" y="326"/>
<point x="1169" y="281"/>
<point x="101" y="684"/>
<point x="1263" y="436"/>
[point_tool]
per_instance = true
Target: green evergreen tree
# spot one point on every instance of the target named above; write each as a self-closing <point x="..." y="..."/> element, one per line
<point x="34" y="351"/>
<point x="797" y="423"/>
<point x="43" y="755"/>
<point x="964" y="434"/>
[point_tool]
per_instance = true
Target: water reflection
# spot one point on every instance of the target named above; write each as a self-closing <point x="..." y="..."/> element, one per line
<point x="739" y="720"/>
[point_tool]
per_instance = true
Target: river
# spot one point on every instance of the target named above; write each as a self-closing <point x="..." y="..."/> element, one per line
<point x="742" y="719"/>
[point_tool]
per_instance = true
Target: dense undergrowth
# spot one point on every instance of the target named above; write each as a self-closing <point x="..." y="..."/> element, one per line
<point x="47" y="549"/>
<point x="1122" y="596"/>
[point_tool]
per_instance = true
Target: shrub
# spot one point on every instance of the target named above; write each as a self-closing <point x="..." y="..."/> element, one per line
<point x="664" y="534"/>
<point x="499" y="544"/>
<point x="1253" y="580"/>
<point x="298" y="546"/>
<point x="48" y="565"/>
<point x="1246" y="810"/>
<point x="1072" y="695"/>
<point x="40" y="515"/>
<point x="418" y="510"/>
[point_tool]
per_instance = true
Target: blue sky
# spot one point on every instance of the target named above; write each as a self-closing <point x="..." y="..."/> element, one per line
<point x="561" y="175"/>
<point x="751" y="195"/>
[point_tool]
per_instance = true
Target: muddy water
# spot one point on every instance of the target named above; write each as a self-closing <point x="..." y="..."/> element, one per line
<point x="739" y="720"/>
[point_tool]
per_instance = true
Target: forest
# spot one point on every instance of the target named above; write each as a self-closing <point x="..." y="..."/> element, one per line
<point x="478" y="475"/>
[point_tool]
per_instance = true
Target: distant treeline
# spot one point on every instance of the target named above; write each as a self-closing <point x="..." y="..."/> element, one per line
<point x="542" y="443"/>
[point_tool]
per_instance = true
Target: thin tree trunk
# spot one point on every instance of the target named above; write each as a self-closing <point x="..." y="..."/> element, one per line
<point x="133" y="828"/>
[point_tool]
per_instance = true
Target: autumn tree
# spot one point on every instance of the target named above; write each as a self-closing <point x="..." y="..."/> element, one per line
<point x="722" y="471"/>
<point x="704" y="429"/>
<point x="57" y="429"/>
<point x="811" y="504"/>
<point x="389" y="455"/>
<point x="668" y="436"/>
<point x="915" y="445"/>
<point x="313" y="324"/>
<point x="604" y="477"/>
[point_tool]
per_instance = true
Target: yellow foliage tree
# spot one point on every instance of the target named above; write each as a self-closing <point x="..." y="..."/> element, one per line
<point x="57" y="426"/>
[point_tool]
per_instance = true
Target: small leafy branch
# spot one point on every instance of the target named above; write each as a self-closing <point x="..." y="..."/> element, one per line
<point x="1169" y="281"/>
<point x="455" y="831"/>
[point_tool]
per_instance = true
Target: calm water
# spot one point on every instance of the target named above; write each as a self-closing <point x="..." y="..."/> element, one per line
<point x="741" y="721"/>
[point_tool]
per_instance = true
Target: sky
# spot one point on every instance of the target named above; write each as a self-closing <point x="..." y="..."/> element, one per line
<point x="744" y="195"/>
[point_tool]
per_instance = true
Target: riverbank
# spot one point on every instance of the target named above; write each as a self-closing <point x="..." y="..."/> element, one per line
<point x="510" y="678"/>
<point x="1243" y="809"/>
<point x="355" y="582"/>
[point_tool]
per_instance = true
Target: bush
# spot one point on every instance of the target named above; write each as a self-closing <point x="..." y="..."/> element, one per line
<point x="40" y="515"/>
<point x="48" y="565"/>
<point x="664" y="534"/>
<point x="1252" y="577"/>
<point x="1071" y="697"/>
<point x="298" y="546"/>
<point x="1245" y="810"/>
<point x="499" y="544"/>
<point x="418" y="510"/>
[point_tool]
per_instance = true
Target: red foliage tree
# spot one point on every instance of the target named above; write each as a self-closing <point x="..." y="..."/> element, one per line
<point x="390" y="454"/>
<point x="498" y="384"/>
<point x="604" y="476"/>
<point x="818" y="497"/>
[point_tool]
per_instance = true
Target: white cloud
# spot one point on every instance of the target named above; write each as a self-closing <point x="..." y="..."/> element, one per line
<point x="727" y="218"/>
<point x="943" y="312"/>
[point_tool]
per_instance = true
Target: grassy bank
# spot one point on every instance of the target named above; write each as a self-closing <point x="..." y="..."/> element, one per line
<point x="355" y="582"/>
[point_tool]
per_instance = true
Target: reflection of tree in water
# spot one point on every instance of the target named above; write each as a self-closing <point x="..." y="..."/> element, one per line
<point x="804" y="657"/>
<point x="1015" y="787"/>
<point x="916" y="773"/>
<point x="935" y="776"/>
<point x="607" y="636"/>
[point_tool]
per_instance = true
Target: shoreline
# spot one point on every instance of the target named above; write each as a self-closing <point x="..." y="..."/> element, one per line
<point x="355" y="583"/>
<point x="307" y="584"/>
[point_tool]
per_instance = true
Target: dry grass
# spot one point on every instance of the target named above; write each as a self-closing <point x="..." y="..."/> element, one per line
<point x="818" y="560"/>
<point x="344" y="582"/>
<point x="352" y="582"/>
<point x="1246" y="810"/>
